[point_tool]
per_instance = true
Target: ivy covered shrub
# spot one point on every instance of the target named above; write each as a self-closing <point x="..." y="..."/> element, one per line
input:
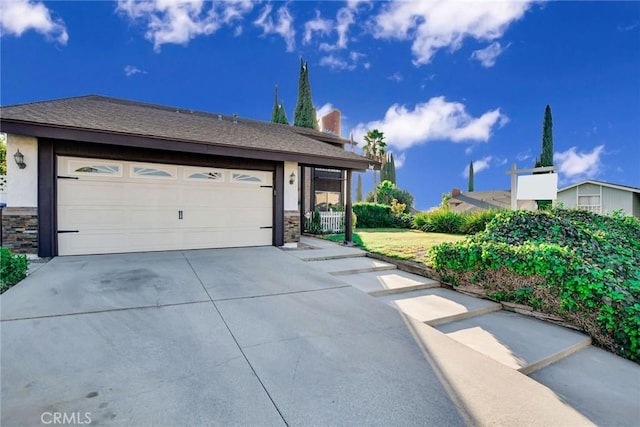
<point x="13" y="268"/>
<point x="574" y="264"/>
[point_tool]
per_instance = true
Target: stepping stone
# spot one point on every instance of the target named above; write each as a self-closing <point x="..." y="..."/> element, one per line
<point x="378" y="283"/>
<point x="520" y="342"/>
<point x="437" y="306"/>
<point x="351" y="265"/>
<point x="602" y="386"/>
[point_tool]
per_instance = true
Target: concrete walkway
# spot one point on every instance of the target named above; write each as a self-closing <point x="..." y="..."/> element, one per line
<point x="263" y="336"/>
<point x="229" y="337"/>
<point x="484" y="354"/>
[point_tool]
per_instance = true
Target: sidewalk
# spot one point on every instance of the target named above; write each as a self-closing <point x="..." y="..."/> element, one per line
<point x="504" y="368"/>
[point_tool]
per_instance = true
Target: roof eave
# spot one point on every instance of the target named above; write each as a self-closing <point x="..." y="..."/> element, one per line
<point x="51" y="131"/>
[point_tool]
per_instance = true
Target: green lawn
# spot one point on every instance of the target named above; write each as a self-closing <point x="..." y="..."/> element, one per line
<point x="397" y="243"/>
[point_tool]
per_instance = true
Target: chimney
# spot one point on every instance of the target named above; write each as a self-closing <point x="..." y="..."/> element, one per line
<point x="331" y="122"/>
<point x="455" y="192"/>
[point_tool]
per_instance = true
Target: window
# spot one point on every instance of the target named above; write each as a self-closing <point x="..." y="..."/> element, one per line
<point x="246" y="178"/>
<point x="153" y="172"/>
<point x="326" y="199"/>
<point x="205" y="175"/>
<point x="76" y="167"/>
<point x="589" y="203"/>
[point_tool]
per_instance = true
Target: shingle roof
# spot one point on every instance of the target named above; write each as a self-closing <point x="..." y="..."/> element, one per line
<point x="134" y="119"/>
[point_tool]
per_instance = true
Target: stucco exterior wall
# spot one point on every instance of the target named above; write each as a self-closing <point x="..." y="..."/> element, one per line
<point x="22" y="184"/>
<point x="291" y="190"/>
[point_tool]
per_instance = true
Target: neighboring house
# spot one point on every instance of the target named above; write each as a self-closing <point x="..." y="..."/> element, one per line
<point x="105" y="175"/>
<point x="484" y="200"/>
<point x="601" y="197"/>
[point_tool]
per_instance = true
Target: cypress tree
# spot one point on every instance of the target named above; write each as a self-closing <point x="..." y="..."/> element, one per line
<point x="305" y="112"/>
<point x="546" y="157"/>
<point x="388" y="171"/>
<point x="278" y="113"/>
<point x="276" y="106"/>
<point x="392" y="168"/>
<point x="385" y="171"/>
<point x="359" y="189"/>
<point x="470" y="186"/>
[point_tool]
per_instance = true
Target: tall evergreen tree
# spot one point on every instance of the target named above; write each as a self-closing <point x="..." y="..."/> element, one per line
<point x="276" y="105"/>
<point x="305" y="113"/>
<point x="470" y="186"/>
<point x="392" y="168"/>
<point x="278" y="113"/>
<point x="359" y="189"/>
<point x="388" y="171"/>
<point x="546" y="157"/>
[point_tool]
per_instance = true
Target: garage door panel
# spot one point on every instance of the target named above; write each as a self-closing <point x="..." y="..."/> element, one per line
<point x="128" y="211"/>
<point x="90" y="217"/>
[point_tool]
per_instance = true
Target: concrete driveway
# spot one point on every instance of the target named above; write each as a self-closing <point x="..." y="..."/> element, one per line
<point x="250" y="336"/>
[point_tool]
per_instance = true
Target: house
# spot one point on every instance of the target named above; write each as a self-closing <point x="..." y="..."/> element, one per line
<point x="601" y="197"/>
<point x="484" y="200"/>
<point x="101" y="175"/>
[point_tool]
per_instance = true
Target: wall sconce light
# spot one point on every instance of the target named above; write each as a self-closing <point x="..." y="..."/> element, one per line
<point x="292" y="178"/>
<point x="19" y="158"/>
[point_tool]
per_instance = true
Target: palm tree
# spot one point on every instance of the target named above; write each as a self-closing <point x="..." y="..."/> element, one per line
<point x="375" y="149"/>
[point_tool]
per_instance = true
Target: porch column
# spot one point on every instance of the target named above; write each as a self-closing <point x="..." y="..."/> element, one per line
<point x="348" y="223"/>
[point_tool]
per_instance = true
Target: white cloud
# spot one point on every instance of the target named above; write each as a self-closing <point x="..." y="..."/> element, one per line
<point x="435" y="25"/>
<point x="524" y="156"/>
<point x="130" y="70"/>
<point x="179" y="21"/>
<point x="337" y="62"/>
<point x="396" y="77"/>
<point x="436" y="119"/>
<point x="345" y="17"/>
<point x="282" y="25"/>
<point x="478" y="166"/>
<point x="316" y="25"/>
<point x="18" y="16"/>
<point x="487" y="56"/>
<point x="577" y="165"/>
<point x="399" y="160"/>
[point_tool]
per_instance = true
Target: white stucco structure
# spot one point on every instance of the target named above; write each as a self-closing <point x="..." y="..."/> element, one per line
<point x="22" y="184"/>
<point x="291" y="190"/>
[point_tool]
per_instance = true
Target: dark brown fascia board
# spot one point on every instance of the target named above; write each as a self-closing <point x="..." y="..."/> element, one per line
<point x="115" y="138"/>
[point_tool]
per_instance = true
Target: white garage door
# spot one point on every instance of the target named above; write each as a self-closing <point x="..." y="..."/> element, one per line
<point x="107" y="206"/>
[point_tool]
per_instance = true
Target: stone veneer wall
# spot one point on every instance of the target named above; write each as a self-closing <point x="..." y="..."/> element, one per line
<point x="291" y="226"/>
<point x="20" y="230"/>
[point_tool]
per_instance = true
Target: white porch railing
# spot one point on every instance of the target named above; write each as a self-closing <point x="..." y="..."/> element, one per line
<point x="330" y="222"/>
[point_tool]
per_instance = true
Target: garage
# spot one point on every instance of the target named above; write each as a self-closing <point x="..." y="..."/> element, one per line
<point x="107" y="206"/>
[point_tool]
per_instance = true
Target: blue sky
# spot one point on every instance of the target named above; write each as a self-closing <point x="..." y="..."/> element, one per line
<point x="448" y="82"/>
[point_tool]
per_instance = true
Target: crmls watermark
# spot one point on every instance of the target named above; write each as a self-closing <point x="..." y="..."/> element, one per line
<point x="69" y="418"/>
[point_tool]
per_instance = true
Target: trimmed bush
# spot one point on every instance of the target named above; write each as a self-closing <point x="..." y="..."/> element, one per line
<point x="13" y="268"/>
<point x="574" y="264"/>
<point x="373" y="215"/>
